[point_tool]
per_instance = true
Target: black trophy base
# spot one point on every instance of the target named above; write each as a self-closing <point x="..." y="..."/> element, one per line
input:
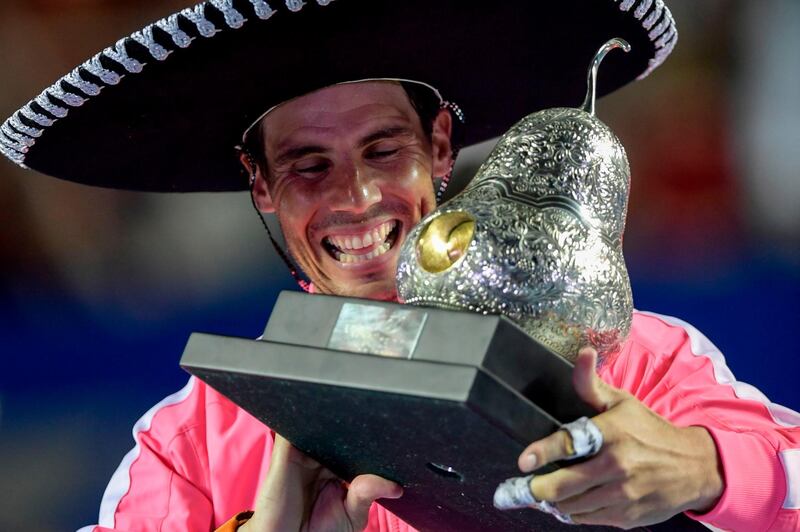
<point x="448" y="432"/>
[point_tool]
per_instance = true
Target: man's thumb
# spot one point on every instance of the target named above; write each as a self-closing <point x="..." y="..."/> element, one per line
<point x="588" y="385"/>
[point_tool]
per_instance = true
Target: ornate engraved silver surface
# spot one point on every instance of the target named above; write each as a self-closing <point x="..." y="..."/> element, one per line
<point x="549" y="208"/>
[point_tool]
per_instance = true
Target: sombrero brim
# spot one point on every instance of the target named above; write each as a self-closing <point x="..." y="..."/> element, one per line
<point x="163" y="111"/>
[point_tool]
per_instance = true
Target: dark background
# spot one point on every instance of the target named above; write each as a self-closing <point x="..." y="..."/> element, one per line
<point x="100" y="289"/>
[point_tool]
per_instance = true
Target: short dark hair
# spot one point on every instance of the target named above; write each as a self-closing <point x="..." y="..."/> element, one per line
<point x="424" y="101"/>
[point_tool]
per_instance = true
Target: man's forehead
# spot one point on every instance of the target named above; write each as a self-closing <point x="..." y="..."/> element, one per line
<point x="348" y="105"/>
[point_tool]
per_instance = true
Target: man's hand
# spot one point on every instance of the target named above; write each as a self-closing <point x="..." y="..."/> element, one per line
<point x="647" y="470"/>
<point x="299" y="494"/>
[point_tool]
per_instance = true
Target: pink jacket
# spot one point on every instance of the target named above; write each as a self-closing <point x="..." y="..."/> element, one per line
<point x="199" y="459"/>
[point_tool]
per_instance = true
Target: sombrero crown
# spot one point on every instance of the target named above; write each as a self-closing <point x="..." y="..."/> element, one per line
<point x="162" y="109"/>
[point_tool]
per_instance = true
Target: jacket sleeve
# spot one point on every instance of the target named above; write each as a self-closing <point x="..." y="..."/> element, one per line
<point x="758" y="441"/>
<point x="159" y="485"/>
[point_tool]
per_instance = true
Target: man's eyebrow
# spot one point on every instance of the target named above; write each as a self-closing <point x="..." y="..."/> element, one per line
<point x="387" y="132"/>
<point x="292" y="154"/>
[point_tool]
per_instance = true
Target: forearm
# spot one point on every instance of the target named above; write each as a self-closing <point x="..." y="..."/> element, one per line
<point x="707" y="473"/>
<point x="755" y="494"/>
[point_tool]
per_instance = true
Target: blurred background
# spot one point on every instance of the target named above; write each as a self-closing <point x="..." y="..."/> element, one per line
<point x="100" y="289"/>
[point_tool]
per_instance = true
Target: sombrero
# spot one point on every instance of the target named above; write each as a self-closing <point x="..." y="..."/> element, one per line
<point x="163" y="109"/>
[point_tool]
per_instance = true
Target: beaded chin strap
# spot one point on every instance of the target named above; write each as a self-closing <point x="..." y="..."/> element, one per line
<point x="304" y="284"/>
<point x="456" y="111"/>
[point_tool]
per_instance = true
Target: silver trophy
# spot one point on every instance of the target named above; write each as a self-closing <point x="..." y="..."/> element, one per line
<point x="537" y="234"/>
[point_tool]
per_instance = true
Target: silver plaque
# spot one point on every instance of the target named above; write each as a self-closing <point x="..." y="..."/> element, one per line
<point x="377" y="330"/>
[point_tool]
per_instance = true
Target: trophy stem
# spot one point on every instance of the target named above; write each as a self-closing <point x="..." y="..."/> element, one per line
<point x="591" y="78"/>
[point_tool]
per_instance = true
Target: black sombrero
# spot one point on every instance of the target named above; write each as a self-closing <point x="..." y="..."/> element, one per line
<point x="162" y="110"/>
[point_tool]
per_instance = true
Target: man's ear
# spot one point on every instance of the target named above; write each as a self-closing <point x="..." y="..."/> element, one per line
<point x="260" y="191"/>
<point x="441" y="143"/>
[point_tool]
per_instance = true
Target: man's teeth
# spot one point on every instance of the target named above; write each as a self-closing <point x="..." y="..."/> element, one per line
<point x="363" y="240"/>
<point x="346" y="258"/>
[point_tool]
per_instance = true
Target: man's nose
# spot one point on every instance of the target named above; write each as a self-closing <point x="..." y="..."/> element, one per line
<point x="354" y="189"/>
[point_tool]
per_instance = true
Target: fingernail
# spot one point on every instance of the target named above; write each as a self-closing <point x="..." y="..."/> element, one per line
<point x="587" y="351"/>
<point x="529" y="462"/>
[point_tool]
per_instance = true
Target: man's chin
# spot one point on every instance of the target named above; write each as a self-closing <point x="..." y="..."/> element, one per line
<point x="377" y="283"/>
<point x="385" y="290"/>
<point x="384" y="296"/>
<point x="377" y="293"/>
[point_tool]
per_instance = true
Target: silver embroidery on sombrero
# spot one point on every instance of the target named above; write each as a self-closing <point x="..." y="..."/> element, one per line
<point x="96" y="68"/>
<point x="295" y="5"/>
<point x="14" y="155"/>
<point x="170" y="25"/>
<point x="197" y="16"/>
<point x="145" y="37"/>
<point x="18" y="140"/>
<point x="659" y="29"/>
<point x="43" y="100"/>
<point x="33" y="116"/>
<point x="658" y="20"/>
<point x="69" y="98"/>
<point x="87" y="87"/>
<point x="665" y="37"/>
<point x="662" y="32"/>
<point x="11" y="144"/>
<point x="119" y="53"/>
<point x="654" y="15"/>
<point x="642" y="8"/>
<point x="233" y="18"/>
<point x="18" y="125"/>
<point x="262" y="9"/>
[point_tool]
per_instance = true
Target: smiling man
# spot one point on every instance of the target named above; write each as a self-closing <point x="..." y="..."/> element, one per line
<point x="348" y="169"/>
<point x="348" y="172"/>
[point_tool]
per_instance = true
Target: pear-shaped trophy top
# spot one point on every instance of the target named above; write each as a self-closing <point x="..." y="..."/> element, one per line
<point x="537" y="233"/>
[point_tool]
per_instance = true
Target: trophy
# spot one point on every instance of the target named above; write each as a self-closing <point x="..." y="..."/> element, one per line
<point x="537" y="234"/>
<point x="506" y="282"/>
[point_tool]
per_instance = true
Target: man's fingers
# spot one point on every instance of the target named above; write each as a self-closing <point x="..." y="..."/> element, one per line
<point x="363" y="491"/>
<point x="621" y="515"/>
<point x="281" y="500"/>
<point x="557" y="446"/>
<point x="588" y="385"/>
<point x="572" y="481"/>
<point x="594" y="499"/>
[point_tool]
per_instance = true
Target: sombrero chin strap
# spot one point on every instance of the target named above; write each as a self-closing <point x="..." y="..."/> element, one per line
<point x="305" y="285"/>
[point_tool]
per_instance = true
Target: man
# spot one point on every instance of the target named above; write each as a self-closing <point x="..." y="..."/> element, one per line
<point x="348" y="170"/>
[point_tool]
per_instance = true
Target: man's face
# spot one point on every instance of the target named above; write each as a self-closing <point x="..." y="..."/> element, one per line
<point x="349" y="174"/>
